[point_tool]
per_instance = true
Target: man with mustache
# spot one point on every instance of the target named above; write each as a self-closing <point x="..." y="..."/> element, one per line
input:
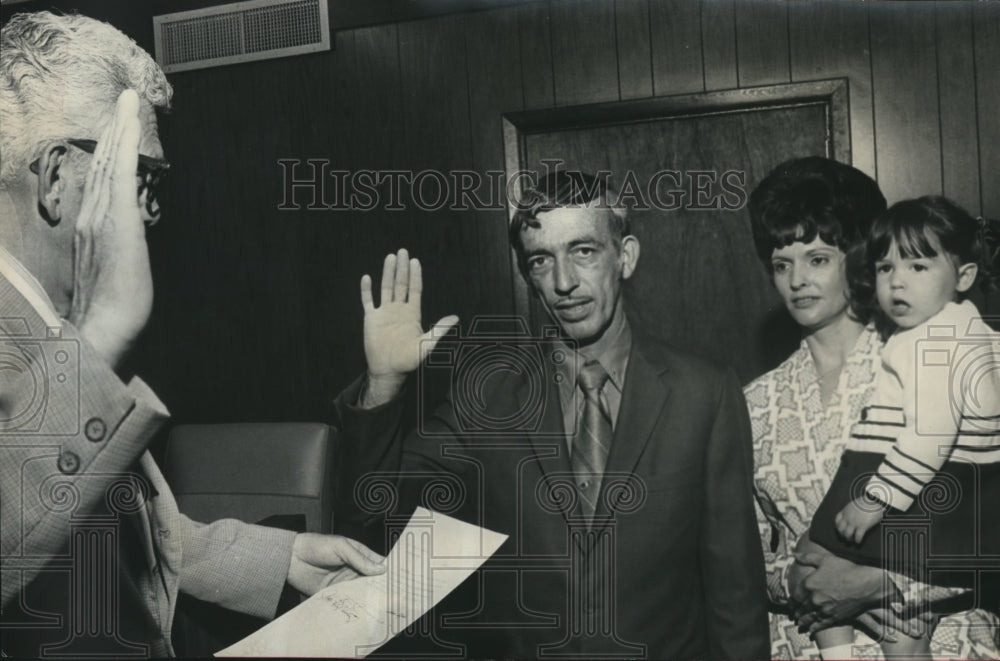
<point x="627" y="501"/>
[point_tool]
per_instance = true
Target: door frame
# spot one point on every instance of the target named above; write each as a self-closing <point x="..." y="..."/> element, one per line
<point x="832" y="94"/>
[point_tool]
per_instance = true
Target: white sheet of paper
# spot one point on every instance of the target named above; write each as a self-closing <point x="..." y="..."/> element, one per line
<point x="434" y="554"/>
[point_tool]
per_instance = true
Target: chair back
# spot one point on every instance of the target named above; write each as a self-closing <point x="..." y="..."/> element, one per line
<point x="253" y="472"/>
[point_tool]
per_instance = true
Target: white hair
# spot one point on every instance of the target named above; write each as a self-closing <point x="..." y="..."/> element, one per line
<point x="59" y="78"/>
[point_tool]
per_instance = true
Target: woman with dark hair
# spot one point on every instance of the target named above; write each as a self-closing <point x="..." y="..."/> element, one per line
<point x="810" y="217"/>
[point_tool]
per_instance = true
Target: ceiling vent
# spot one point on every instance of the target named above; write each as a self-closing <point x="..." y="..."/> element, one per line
<point x="240" y="32"/>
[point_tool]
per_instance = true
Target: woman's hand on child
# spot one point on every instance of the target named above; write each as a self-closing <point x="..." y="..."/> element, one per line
<point x="857" y="518"/>
<point x="834" y="590"/>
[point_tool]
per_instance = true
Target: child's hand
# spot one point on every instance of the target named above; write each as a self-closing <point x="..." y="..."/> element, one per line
<point x="856" y="519"/>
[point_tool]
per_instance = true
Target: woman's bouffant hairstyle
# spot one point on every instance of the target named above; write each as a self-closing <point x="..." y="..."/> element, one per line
<point x="808" y="197"/>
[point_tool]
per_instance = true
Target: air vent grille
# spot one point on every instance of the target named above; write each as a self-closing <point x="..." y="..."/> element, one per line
<point x="240" y="32"/>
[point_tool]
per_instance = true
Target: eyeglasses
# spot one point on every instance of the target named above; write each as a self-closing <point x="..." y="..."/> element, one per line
<point x="150" y="171"/>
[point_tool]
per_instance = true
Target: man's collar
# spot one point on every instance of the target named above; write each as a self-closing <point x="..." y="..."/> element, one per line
<point x="29" y="287"/>
<point x="612" y="353"/>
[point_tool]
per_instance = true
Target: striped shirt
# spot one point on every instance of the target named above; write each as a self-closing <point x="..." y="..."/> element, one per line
<point x="937" y="398"/>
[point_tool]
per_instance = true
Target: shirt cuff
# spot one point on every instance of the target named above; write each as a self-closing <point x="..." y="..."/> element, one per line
<point x="887" y="489"/>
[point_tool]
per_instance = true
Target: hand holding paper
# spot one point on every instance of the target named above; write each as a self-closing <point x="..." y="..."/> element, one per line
<point x="322" y="560"/>
<point x="434" y="554"/>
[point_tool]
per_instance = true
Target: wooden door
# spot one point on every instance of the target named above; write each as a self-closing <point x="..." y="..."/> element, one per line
<point x="687" y="165"/>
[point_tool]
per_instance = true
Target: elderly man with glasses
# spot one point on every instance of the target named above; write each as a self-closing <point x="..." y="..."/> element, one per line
<point x="149" y="172"/>
<point x="93" y="549"/>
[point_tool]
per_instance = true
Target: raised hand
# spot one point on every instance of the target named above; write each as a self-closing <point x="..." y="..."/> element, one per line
<point x="395" y="341"/>
<point x="113" y="284"/>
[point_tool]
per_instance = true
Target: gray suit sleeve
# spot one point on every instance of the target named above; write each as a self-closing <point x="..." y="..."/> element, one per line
<point x="236" y="565"/>
<point x="87" y="429"/>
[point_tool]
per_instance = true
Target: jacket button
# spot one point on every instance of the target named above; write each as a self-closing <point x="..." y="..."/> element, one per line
<point x="68" y="463"/>
<point x="95" y="429"/>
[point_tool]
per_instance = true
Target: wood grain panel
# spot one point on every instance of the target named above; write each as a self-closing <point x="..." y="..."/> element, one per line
<point x="490" y="50"/>
<point x="986" y="37"/>
<point x="957" y="97"/>
<point x="762" y="42"/>
<point x="986" y="33"/>
<point x="584" y="52"/>
<point x="363" y="83"/>
<point x="840" y="48"/>
<point x="635" y="76"/>
<point x="534" y="22"/>
<point x="904" y="81"/>
<point x="718" y="39"/>
<point x="436" y="121"/>
<point x="346" y="14"/>
<point x="676" y="47"/>
<point x="236" y="246"/>
<point x="375" y="98"/>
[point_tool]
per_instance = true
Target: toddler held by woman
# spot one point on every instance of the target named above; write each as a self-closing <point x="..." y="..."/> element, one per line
<point x="927" y="450"/>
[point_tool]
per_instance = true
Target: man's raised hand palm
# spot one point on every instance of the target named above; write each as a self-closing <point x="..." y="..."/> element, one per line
<point x="113" y="284"/>
<point x="395" y="342"/>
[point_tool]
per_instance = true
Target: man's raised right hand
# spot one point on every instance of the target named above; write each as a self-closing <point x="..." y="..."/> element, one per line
<point x="113" y="282"/>
<point x="395" y="342"/>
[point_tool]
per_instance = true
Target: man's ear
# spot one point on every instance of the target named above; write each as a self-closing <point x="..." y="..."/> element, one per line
<point x="629" y="255"/>
<point x="51" y="183"/>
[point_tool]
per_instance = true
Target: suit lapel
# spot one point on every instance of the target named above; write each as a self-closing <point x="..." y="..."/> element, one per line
<point x="549" y="447"/>
<point x="643" y="398"/>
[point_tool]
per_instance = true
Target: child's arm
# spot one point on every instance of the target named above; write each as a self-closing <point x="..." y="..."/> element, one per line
<point x="857" y="518"/>
<point x="932" y="418"/>
<point x="931" y="430"/>
<point x="910" y="464"/>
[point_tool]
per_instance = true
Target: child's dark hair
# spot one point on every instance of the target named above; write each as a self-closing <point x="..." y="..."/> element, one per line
<point x="919" y="228"/>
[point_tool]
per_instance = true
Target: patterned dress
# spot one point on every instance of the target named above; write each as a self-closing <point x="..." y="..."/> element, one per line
<point x="797" y="447"/>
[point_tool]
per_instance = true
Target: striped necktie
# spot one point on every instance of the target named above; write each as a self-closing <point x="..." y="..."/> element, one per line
<point x="593" y="437"/>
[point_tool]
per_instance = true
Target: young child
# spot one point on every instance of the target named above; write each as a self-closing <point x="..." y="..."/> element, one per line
<point x="927" y="451"/>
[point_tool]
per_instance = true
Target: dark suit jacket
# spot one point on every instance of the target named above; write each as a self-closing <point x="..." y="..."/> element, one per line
<point x="672" y="568"/>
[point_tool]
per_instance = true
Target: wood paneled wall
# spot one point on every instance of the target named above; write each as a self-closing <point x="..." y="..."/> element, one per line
<point x="257" y="314"/>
